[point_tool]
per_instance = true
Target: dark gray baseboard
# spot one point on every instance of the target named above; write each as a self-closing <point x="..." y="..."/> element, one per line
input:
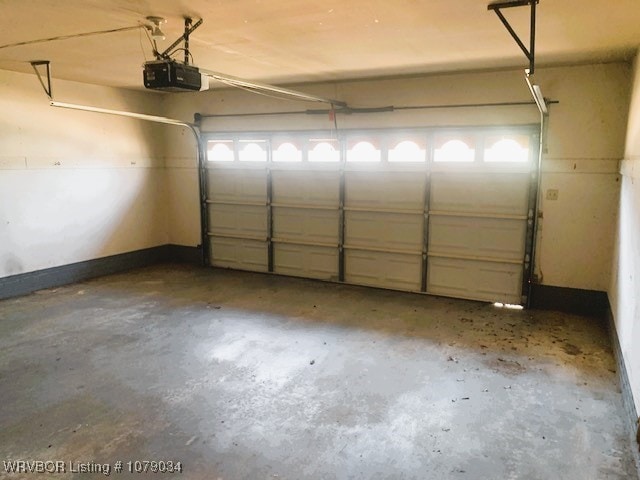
<point x="589" y="303"/>
<point x="25" y="283"/>
<point x="183" y="254"/>
<point x="627" y="394"/>
<point x="593" y="304"/>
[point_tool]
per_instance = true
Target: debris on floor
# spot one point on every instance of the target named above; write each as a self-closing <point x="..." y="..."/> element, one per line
<point x="234" y="399"/>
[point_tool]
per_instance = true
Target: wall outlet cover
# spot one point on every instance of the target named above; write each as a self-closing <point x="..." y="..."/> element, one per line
<point x="552" y="194"/>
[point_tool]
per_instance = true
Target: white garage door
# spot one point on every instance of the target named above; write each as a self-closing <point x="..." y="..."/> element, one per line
<point x="306" y="222"/>
<point x="441" y="212"/>
<point x="237" y="206"/>
<point x="384" y="225"/>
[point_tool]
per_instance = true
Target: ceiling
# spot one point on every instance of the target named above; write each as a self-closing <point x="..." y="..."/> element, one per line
<point x="291" y="41"/>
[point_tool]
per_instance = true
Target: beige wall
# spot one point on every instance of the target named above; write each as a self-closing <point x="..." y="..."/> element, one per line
<point x="75" y="185"/>
<point x="624" y="292"/>
<point x="586" y="142"/>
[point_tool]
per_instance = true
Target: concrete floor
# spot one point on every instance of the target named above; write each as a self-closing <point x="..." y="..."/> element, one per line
<point x="247" y="376"/>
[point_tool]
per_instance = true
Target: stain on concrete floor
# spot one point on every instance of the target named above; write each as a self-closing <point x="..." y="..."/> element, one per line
<point x="248" y="376"/>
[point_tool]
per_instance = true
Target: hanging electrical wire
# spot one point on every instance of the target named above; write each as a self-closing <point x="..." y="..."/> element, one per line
<point x="141" y="46"/>
<point x="73" y="35"/>
<point x="172" y="53"/>
<point x="333" y="116"/>
<point x="152" y="42"/>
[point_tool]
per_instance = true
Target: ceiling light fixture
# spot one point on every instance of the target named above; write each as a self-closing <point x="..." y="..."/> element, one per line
<point x="156" y="31"/>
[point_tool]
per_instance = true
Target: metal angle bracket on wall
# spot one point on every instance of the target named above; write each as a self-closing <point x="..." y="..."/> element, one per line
<point x="530" y="52"/>
<point x="47" y="88"/>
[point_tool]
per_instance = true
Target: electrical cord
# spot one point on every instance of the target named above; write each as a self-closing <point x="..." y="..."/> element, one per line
<point x="184" y="50"/>
<point x="142" y="47"/>
<point x="152" y="42"/>
<point x="335" y="120"/>
<point x="66" y="37"/>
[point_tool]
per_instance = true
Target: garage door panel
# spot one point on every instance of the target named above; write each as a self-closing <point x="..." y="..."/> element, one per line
<point x="384" y="230"/>
<point x="483" y="237"/>
<point x="239" y="220"/>
<point x="385" y="190"/>
<point x="387" y="270"/>
<point x="506" y="194"/>
<point x="478" y="280"/>
<point x="241" y="186"/>
<point x="293" y="187"/>
<point x="306" y="261"/>
<point x="477" y="214"/>
<point x="320" y="226"/>
<point x="239" y="254"/>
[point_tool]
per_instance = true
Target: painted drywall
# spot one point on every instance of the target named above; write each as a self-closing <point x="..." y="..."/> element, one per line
<point x="624" y="292"/>
<point x="586" y="142"/>
<point x="75" y="185"/>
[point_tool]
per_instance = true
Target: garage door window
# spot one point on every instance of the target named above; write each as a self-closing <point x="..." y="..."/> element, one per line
<point x="507" y="150"/>
<point x="287" y="152"/>
<point x="363" y="152"/>
<point x="220" y="151"/>
<point x="407" y="151"/>
<point x="321" y="150"/>
<point x="253" y="151"/>
<point x="454" y="151"/>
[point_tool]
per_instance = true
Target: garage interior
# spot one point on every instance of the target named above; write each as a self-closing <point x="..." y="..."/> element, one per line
<point x="384" y="240"/>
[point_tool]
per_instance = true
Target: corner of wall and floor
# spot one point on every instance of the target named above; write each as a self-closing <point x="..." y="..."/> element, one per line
<point x="81" y="194"/>
<point x="624" y="289"/>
